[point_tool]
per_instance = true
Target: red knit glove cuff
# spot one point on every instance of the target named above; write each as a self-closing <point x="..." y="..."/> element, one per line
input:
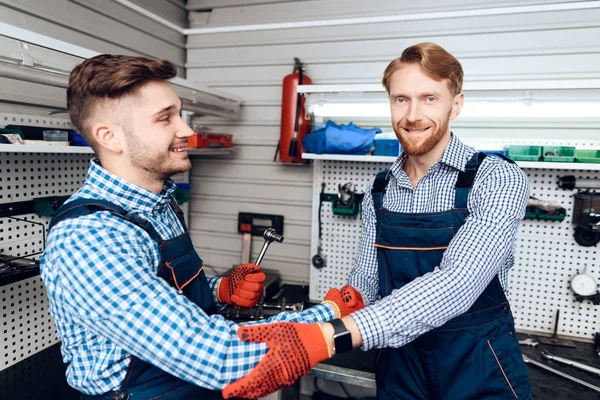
<point x="223" y="295"/>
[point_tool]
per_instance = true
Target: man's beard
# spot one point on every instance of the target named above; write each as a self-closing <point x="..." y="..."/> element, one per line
<point x="153" y="163"/>
<point x="415" y="149"/>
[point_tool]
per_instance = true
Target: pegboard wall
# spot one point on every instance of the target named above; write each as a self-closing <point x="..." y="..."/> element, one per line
<point x="546" y="255"/>
<point x="26" y="326"/>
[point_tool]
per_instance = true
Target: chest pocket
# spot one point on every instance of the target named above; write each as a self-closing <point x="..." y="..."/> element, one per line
<point x="414" y="238"/>
<point x="181" y="271"/>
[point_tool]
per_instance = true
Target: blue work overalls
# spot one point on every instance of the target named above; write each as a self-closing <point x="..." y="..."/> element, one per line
<point x="473" y="356"/>
<point x="181" y="267"/>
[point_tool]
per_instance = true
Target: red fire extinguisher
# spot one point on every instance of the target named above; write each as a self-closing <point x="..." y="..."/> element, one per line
<point x="294" y="125"/>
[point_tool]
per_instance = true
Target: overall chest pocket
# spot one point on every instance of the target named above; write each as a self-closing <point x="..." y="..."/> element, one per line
<point x="414" y="238"/>
<point x="406" y="253"/>
<point x="181" y="271"/>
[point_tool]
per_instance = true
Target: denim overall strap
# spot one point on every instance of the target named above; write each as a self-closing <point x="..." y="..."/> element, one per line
<point x="182" y="268"/>
<point x="474" y="355"/>
<point x="465" y="180"/>
<point x="81" y="207"/>
<point x="178" y="212"/>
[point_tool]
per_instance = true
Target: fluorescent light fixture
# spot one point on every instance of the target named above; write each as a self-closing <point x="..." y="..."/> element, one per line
<point x="471" y="109"/>
<point x="533" y="110"/>
<point x="30" y="56"/>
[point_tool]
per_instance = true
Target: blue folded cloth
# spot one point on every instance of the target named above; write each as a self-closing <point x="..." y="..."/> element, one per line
<point x="76" y="139"/>
<point x="340" y="139"/>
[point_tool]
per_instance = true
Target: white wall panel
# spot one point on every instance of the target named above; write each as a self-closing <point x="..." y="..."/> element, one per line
<point x="298" y="209"/>
<point x="171" y="10"/>
<point x="252" y="64"/>
<point x="260" y="172"/>
<point x="31" y="93"/>
<point x="512" y="44"/>
<point x="70" y="22"/>
<point x="212" y="4"/>
<point x="565" y="66"/>
<point x="407" y="29"/>
<point x="132" y="18"/>
<point x="336" y="9"/>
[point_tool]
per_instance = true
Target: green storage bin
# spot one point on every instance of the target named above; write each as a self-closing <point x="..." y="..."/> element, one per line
<point x="558" y="153"/>
<point x="587" y="156"/>
<point x="524" y="153"/>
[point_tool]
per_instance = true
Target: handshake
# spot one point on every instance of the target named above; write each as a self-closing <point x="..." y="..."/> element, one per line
<point x="294" y="348"/>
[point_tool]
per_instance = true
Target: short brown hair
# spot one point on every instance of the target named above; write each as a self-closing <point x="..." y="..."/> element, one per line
<point x="106" y="76"/>
<point x="435" y="61"/>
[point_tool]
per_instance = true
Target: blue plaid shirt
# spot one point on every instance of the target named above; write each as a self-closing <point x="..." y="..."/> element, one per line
<point x="481" y="249"/>
<point x="98" y="271"/>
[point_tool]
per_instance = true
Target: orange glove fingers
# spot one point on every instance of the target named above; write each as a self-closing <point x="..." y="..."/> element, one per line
<point x="256" y="333"/>
<point x="244" y="303"/>
<point x="249" y="273"/>
<point x="345" y="301"/>
<point x="352" y="296"/>
<point x="250" y="286"/>
<point x="258" y="277"/>
<point x="246" y="294"/>
<point x="294" y="348"/>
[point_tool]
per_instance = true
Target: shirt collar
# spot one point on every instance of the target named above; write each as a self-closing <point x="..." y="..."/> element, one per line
<point x="455" y="155"/>
<point x="124" y="193"/>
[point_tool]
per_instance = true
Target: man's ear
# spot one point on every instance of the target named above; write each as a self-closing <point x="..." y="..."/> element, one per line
<point x="457" y="104"/>
<point x="108" y="136"/>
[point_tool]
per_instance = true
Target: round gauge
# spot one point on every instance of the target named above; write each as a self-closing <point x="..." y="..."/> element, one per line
<point x="584" y="285"/>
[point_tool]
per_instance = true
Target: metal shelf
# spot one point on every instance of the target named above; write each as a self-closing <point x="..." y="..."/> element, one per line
<point x="22" y="148"/>
<point x="211" y="152"/>
<point x="390" y="159"/>
<point x="26" y="148"/>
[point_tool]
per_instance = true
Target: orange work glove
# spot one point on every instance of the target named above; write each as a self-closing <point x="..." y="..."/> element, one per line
<point x="243" y="286"/>
<point x="294" y="349"/>
<point x="344" y="301"/>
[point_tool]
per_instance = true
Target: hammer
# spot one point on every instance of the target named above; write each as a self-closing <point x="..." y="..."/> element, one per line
<point x="270" y="235"/>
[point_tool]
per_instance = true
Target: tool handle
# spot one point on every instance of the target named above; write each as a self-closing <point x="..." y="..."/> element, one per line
<point x="572" y="363"/>
<point x="263" y="250"/>
<point x="557" y="372"/>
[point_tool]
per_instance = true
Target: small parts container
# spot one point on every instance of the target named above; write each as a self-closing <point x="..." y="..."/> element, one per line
<point x="524" y="153"/>
<point x="386" y="144"/>
<point x="56" y="136"/>
<point x="210" y="141"/>
<point x="587" y="156"/>
<point x="558" y="153"/>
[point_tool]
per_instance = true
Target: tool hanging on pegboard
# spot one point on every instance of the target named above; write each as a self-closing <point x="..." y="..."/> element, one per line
<point x="584" y="287"/>
<point x="586" y="209"/>
<point x="318" y="260"/>
<point x="346" y="203"/>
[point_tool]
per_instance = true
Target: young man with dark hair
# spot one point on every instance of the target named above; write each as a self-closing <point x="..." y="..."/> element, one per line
<point x="438" y="240"/>
<point x="132" y="305"/>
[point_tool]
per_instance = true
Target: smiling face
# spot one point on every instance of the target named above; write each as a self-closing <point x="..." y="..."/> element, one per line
<point x="421" y="110"/>
<point x="155" y="134"/>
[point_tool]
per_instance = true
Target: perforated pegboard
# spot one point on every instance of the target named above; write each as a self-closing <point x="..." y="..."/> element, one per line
<point x="34" y="120"/>
<point x="546" y="258"/>
<point x="27" y="327"/>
